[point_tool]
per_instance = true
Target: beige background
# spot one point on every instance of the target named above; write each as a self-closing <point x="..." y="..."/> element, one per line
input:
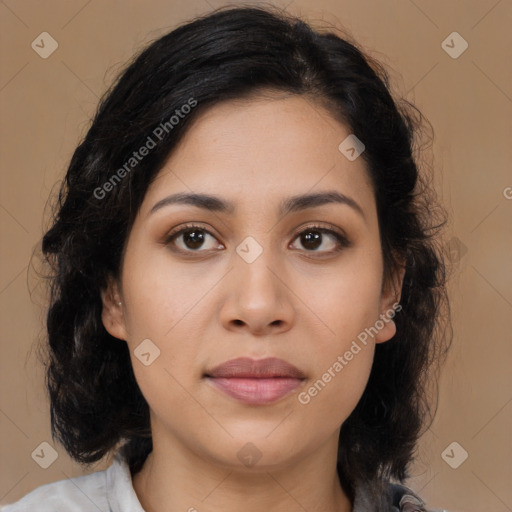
<point x="46" y="105"/>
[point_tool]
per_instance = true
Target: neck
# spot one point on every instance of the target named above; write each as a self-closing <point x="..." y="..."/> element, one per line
<point x="176" y="479"/>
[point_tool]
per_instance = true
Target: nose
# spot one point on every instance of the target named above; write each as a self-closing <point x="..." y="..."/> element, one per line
<point x="258" y="299"/>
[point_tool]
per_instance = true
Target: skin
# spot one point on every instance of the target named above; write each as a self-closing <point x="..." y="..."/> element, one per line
<point x="208" y="305"/>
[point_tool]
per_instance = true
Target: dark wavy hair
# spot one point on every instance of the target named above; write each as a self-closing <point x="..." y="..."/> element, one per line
<point x="96" y="404"/>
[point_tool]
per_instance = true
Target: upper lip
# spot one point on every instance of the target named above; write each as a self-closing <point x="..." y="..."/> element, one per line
<point x="245" y="367"/>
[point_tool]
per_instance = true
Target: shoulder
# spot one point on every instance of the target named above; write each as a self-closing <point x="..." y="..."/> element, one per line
<point x="110" y="490"/>
<point x="72" y="494"/>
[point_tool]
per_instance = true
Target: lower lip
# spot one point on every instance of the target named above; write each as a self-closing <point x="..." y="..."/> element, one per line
<point x="256" y="391"/>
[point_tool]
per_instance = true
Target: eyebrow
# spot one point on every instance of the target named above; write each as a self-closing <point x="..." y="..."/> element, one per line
<point x="289" y="205"/>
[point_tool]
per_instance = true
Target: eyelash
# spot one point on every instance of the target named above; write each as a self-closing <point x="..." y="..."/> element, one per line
<point x="342" y="241"/>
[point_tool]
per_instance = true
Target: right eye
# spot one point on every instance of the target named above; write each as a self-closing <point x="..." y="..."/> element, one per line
<point x="191" y="238"/>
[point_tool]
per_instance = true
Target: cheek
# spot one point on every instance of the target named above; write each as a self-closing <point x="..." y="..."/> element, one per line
<point x="347" y="302"/>
<point x="170" y="400"/>
<point x="163" y="321"/>
<point x="343" y="356"/>
<point x="335" y="391"/>
<point x="159" y="295"/>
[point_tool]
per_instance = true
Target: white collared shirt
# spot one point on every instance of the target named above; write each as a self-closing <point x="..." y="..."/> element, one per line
<point x="110" y="490"/>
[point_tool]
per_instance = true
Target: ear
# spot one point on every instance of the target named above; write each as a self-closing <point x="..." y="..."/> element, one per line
<point x="112" y="314"/>
<point x="389" y="303"/>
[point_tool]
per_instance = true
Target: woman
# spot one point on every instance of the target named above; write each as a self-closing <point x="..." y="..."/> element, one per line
<point x="246" y="292"/>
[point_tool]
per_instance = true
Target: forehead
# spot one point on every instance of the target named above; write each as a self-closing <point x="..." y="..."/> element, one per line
<point x="260" y="150"/>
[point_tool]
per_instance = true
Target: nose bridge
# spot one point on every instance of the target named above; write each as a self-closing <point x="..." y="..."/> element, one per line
<point x="256" y="265"/>
<point x="257" y="297"/>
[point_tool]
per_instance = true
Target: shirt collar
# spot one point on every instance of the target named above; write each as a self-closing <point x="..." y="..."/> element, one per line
<point x="121" y="495"/>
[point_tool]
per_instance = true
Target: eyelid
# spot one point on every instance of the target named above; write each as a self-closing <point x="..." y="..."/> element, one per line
<point x="325" y="227"/>
<point x="185" y="227"/>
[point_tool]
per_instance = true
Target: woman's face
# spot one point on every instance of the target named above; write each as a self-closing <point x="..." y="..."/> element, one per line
<point x="254" y="277"/>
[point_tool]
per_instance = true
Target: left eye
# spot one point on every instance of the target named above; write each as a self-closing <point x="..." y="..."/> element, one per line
<point x="313" y="237"/>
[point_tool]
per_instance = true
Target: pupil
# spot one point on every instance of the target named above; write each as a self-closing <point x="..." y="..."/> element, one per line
<point x="189" y="239"/>
<point x="311" y="239"/>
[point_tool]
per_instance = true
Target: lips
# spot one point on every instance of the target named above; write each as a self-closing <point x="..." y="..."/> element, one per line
<point x="256" y="382"/>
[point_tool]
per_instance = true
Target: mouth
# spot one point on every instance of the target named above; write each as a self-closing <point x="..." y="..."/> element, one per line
<point x="256" y="382"/>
